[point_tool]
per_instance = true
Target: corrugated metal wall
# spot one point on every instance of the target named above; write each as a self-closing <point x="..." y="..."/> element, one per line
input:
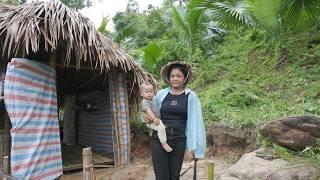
<point x="95" y="128"/>
<point x="69" y="116"/>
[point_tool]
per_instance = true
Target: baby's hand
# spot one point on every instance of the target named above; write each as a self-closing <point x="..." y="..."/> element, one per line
<point x="156" y="121"/>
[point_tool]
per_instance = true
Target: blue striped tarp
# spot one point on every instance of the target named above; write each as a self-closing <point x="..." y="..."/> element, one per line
<point x="31" y="102"/>
<point x="118" y="97"/>
<point x="95" y="127"/>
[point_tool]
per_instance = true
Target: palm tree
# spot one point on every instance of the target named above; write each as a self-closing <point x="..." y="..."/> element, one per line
<point x="227" y="13"/>
<point x="192" y="22"/>
<point x="119" y="36"/>
<point x="276" y="16"/>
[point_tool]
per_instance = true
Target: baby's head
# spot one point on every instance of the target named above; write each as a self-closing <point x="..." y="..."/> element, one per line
<point x="146" y="91"/>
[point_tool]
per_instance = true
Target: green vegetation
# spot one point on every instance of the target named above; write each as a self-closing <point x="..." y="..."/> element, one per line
<point x="253" y="60"/>
<point x="308" y="155"/>
<point x="245" y="84"/>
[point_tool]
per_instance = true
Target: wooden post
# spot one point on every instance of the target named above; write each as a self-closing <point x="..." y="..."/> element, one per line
<point x="7" y="142"/>
<point x="210" y="166"/>
<point x="1" y="152"/>
<point x="76" y="122"/>
<point x="86" y="157"/>
<point x="128" y="118"/>
<point x="6" y="165"/>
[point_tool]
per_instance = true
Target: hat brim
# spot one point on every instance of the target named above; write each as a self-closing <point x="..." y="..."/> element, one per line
<point x="165" y="68"/>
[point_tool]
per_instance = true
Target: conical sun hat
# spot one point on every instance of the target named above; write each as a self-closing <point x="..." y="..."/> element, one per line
<point x="164" y="73"/>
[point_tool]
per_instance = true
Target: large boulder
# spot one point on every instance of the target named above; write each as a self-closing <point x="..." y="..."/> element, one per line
<point x="294" y="132"/>
<point x="249" y="166"/>
<point x="305" y="172"/>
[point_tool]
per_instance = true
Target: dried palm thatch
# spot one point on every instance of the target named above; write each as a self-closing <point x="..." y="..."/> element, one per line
<point x="51" y="27"/>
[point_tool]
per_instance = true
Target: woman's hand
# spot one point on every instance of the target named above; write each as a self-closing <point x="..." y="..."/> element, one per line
<point x="147" y="118"/>
<point x="188" y="155"/>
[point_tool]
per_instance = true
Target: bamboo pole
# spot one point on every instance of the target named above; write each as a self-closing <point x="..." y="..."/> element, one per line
<point x="6" y="165"/>
<point x="115" y="119"/>
<point x="1" y="151"/>
<point x="128" y="118"/>
<point x="87" y="166"/>
<point x="119" y="119"/>
<point x="210" y="166"/>
<point x="7" y="141"/>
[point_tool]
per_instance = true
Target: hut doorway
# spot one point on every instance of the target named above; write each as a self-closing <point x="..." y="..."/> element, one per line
<point x="85" y="117"/>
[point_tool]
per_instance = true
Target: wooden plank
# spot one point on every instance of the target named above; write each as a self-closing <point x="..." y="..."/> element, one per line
<point x="118" y="120"/>
<point x="114" y="119"/>
<point x="128" y="120"/>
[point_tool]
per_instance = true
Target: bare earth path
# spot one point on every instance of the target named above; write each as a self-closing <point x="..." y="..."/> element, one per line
<point x="144" y="171"/>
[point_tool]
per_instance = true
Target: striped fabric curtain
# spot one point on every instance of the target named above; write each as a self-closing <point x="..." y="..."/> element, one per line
<point x="119" y="102"/>
<point x="31" y="102"/>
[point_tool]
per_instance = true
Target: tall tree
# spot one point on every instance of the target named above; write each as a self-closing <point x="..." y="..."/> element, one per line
<point x="77" y="4"/>
<point x="133" y="6"/>
<point x="12" y="2"/>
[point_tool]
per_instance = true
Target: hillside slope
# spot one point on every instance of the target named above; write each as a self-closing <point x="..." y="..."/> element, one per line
<point x="245" y="84"/>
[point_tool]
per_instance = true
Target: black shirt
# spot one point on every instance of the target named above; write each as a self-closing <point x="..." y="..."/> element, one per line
<point x="174" y="111"/>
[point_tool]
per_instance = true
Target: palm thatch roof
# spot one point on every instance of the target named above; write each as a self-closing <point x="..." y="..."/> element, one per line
<point x="51" y="27"/>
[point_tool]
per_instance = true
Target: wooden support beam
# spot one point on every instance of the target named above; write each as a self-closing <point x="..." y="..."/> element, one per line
<point x="87" y="165"/>
<point x="6" y="165"/>
<point x="1" y="152"/>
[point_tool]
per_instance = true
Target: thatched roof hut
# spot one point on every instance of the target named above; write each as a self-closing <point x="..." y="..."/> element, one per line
<point x="88" y="68"/>
<point x="50" y="27"/>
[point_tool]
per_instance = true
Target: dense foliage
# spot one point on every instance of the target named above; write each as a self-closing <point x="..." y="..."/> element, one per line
<point x="253" y="60"/>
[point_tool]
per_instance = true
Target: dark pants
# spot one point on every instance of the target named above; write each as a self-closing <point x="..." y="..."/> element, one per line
<point x="166" y="165"/>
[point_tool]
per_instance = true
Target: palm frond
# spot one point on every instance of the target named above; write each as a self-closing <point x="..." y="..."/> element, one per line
<point x="151" y="53"/>
<point x="194" y="16"/>
<point x="103" y="24"/>
<point x="178" y="18"/>
<point x="266" y="12"/>
<point x="214" y="31"/>
<point x="294" y="10"/>
<point x="125" y="32"/>
<point x="227" y="13"/>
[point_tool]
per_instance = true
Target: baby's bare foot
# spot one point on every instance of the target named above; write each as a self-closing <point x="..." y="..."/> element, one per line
<point x="167" y="147"/>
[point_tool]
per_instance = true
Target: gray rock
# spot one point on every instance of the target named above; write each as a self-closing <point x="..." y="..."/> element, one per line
<point x="227" y="178"/>
<point x="305" y="172"/>
<point x="249" y="166"/>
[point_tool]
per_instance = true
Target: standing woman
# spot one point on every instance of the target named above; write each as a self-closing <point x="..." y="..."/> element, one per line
<point x="181" y="114"/>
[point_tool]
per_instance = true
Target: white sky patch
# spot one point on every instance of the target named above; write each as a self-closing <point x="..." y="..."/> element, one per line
<point x="102" y="8"/>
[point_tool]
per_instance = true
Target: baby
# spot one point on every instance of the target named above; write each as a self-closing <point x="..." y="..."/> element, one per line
<point x="150" y="108"/>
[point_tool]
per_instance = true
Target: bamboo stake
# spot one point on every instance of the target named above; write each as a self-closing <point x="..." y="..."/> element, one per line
<point x="119" y="119"/>
<point x="1" y="151"/>
<point x="116" y="118"/>
<point x="6" y="165"/>
<point x="210" y="166"/>
<point x="87" y="157"/>
<point x="113" y="119"/>
<point x="128" y="118"/>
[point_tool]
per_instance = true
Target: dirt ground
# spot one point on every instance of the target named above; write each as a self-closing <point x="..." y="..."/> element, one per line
<point x="141" y="166"/>
<point x="145" y="171"/>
